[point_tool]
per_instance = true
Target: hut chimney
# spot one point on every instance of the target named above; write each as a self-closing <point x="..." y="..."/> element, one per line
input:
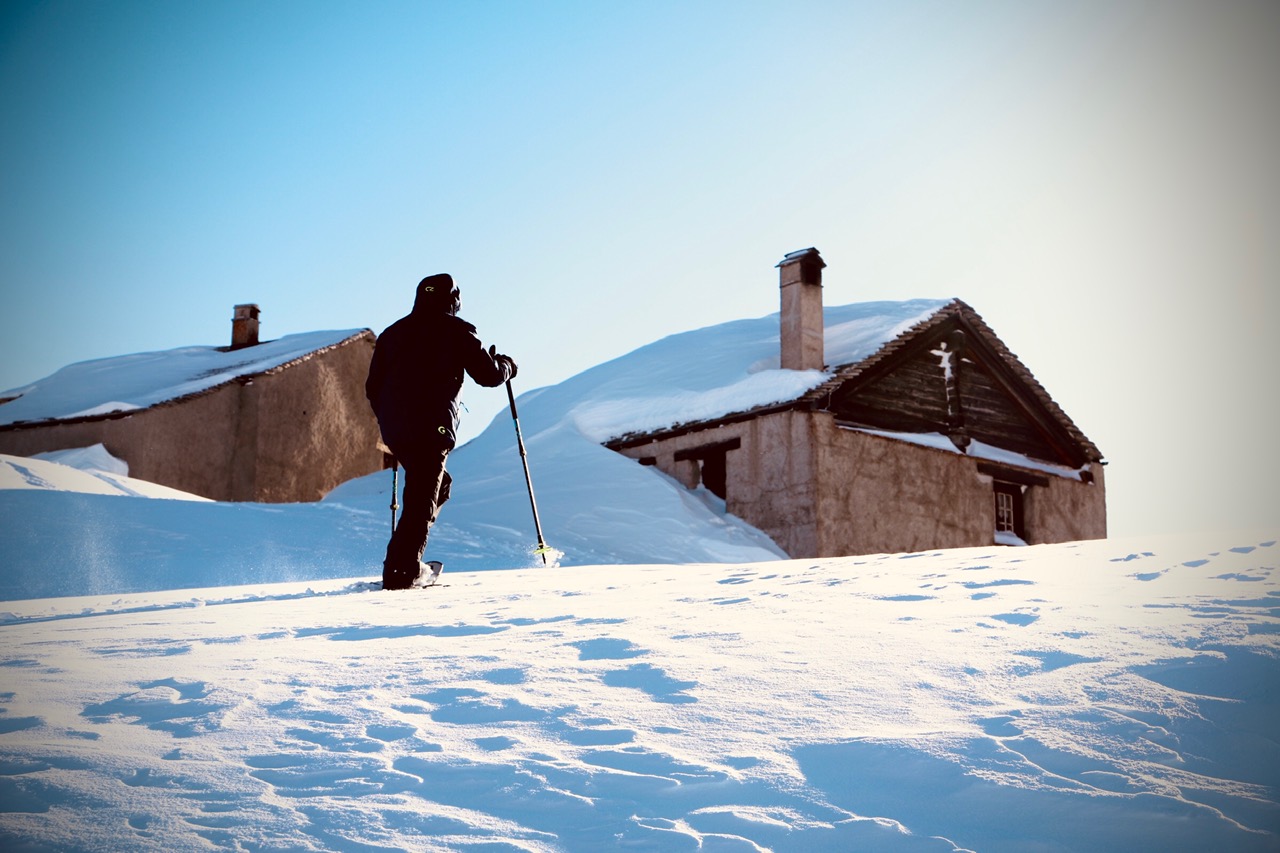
<point x="244" y="327"/>
<point x="800" y="279"/>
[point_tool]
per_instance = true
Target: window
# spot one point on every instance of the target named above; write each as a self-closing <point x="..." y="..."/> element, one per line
<point x="1009" y="520"/>
<point x="713" y="464"/>
<point x="715" y="473"/>
<point x="1010" y="486"/>
<point x="1004" y="512"/>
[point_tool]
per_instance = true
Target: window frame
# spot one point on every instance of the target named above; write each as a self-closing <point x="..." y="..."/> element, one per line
<point x="1016" y="517"/>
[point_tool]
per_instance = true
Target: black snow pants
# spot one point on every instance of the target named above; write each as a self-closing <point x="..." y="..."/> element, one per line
<point x="426" y="488"/>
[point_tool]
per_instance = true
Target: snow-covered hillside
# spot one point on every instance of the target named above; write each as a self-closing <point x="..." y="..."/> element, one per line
<point x="1102" y="696"/>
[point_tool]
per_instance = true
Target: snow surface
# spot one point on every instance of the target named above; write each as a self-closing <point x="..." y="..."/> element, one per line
<point x="85" y="476"/>
<point x="125" y="383"/>
<point x="96" y="457"/>
<point x="1101" y="696"/>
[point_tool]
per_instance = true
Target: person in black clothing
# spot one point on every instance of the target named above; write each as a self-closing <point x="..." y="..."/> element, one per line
<point x="413" y="386"/>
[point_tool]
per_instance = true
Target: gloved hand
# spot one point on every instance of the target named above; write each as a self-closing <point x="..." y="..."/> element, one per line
<point x="505" y="362"/>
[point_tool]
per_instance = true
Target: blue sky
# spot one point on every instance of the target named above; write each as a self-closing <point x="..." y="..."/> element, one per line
<point x="1097" y="179"/>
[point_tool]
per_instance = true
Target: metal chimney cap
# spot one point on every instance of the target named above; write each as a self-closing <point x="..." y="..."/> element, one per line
<point x="809" y="255"/>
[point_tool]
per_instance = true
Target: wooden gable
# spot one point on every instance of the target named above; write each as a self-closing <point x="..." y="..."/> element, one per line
<point x="951" y="375"/>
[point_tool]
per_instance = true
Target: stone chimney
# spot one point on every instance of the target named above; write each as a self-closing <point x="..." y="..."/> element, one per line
<point x="244" y="327"/>
<point x="800" y="275"/>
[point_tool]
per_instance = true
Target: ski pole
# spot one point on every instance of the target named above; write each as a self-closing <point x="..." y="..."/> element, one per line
<point x="395" y="491"/>
<point x="524" y="460"/>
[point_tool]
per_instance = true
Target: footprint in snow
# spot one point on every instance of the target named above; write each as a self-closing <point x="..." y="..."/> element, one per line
<point x="390" y="733"/>
<point x="464" y="705"/>
<point x="337" y="741"/>
<point x="494" y="744"/>
<point x="1001" y="582"/>
<point x="653" y="681"/>
<point x="642" y="762"/>
<point x="323" y="775"/>
<point x="525" y="621"/>
<point x="607" y="648"/>
<point x="505" y="675"/>
<point x="161" y="648"/>
<point x="16" y="724"/>
<point x="1020" y="619"/>
<point x="1004" y="725"/>
<point x="167" y="705"/>
<point x="598" y="737"/>
<point x="1051" y="660"/>
<point x="292" y="709"/>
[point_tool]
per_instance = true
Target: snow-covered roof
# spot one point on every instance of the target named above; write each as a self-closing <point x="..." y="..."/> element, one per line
<point x="691" y="380"/>
<point x="721" y="370"/>
<point x="125" y="383"/>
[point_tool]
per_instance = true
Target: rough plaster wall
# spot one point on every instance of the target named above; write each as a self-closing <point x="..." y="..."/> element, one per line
<point x="878" y="495"/>
<point x="242" y="460"/>
<point x="315" y="428"/>
<point x="771" y="480"/>
<point x="185" y="446"/>
<point x="1066" y="511"/>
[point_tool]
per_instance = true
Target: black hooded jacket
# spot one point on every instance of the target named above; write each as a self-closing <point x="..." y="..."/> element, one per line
<point x="416" y="375"/>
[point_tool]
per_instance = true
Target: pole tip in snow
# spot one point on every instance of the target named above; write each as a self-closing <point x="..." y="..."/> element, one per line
<point x="550" y="556"/>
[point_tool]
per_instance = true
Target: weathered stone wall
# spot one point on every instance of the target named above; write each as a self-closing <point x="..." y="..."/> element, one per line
<point x="1067" y="510"/>
<point x="769" y="479"/>
<point x="288" y="435"/>
<point x="882" y="495"/>
<point x="822" y="491"/>
<point x="314" y="428"/>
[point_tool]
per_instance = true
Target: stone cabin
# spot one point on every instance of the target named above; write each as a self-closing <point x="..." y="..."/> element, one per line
<point x="939" y="439"/>
<point x="278" y="421"/>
